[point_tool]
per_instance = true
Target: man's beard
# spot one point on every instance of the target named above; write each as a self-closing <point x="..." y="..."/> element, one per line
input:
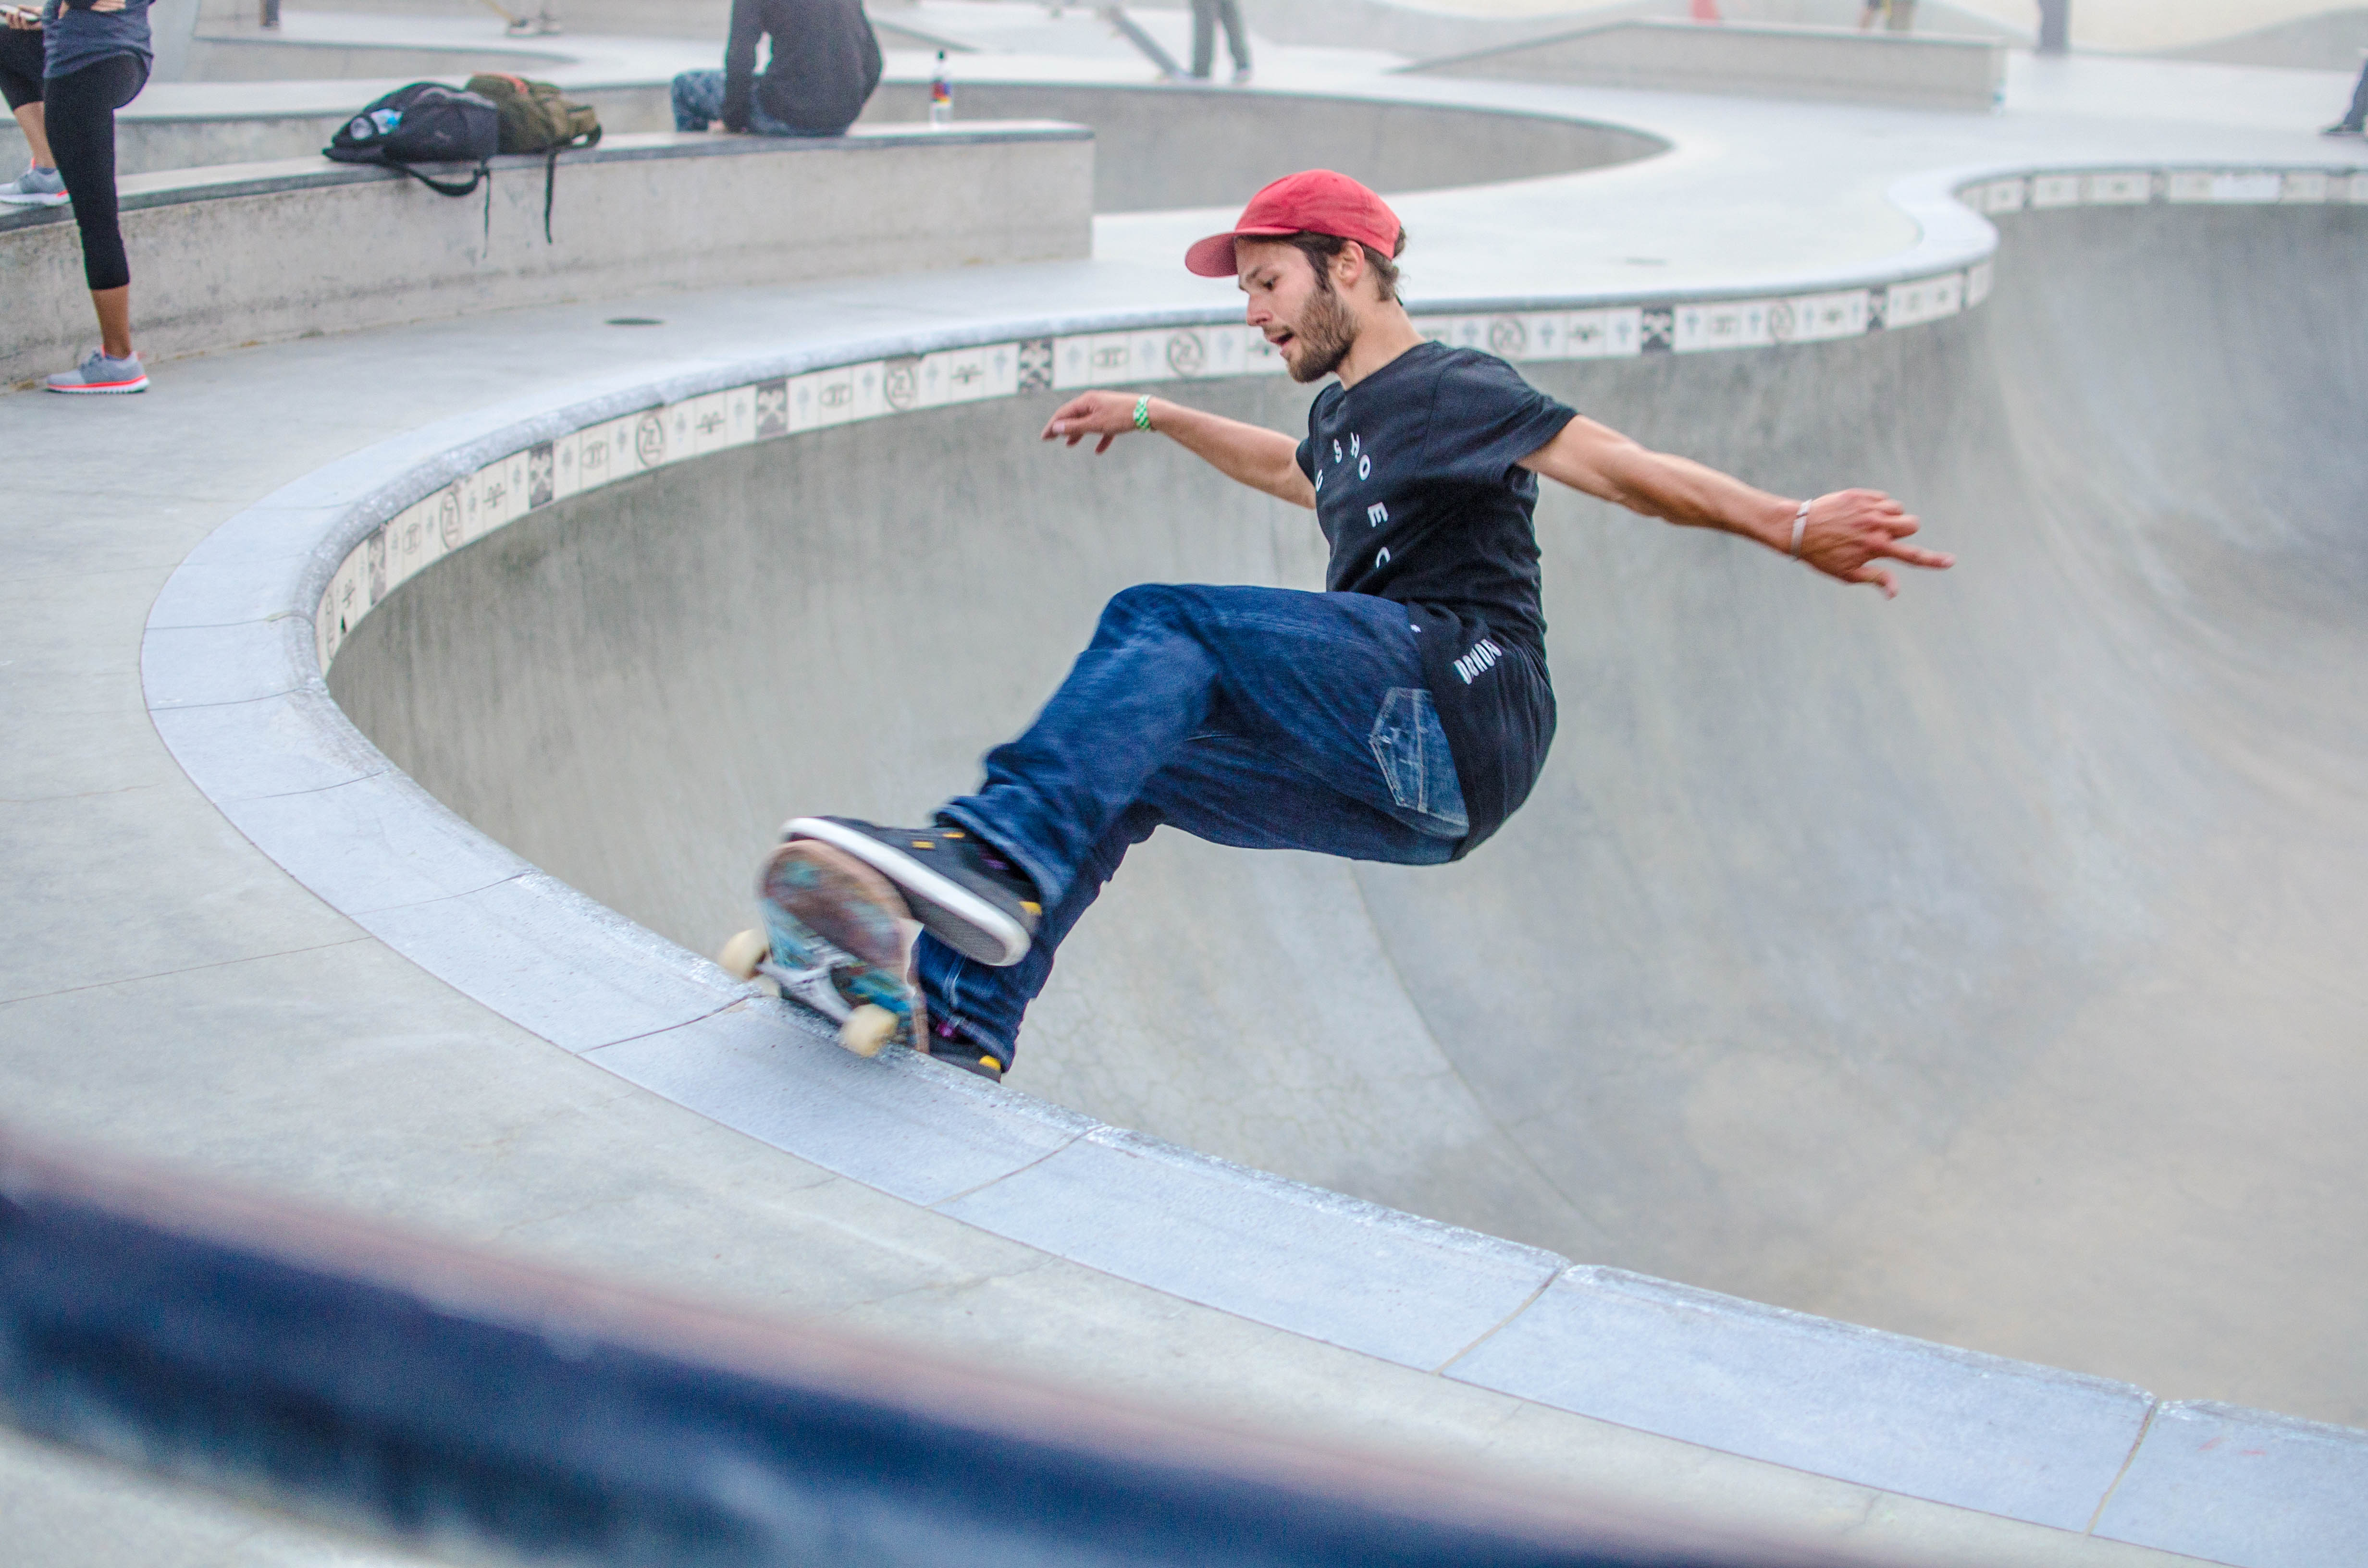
<point x="1325" y="334"/>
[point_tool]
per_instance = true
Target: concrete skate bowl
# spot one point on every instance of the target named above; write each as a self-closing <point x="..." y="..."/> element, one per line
<point x="1241" y="140"/>
<point x="1980" y="966"/>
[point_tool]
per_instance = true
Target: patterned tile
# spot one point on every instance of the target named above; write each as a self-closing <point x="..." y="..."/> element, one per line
<point x="869" y="382"/>
<point x="1924" y="300"/>
<point x="771" y="400"/>
<point x="2359" y="183"/>
<point x="2248" y="186"/>
<point x="2304" y="185"/>
<point x="2056" y="191"/>
<point x="1728" y="323"/>
<point x="1656" y="329"/>
<point x="710" y="421"/>
<point x="1612" y="333"/>
<point x="1818" y="318"/>
<point x="1036" y="365"/>
<point x="2008" y="196"/>
<point x="1977" y="283"/>
<point x="2126" y="188"/>
<point x="820" y="399"/>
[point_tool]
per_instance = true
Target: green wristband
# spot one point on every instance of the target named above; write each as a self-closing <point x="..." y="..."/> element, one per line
<point x="1143" y="412"/>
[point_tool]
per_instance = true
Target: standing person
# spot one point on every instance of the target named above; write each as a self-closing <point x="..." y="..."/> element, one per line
<point x="21" y="67"/>
<point x="95" y="58"/>
<point x="824" y="65"/>
<point x="1898" y="15"/>
<point x="1400" y="715"/>
<point x="1206" y="15"/>
<point x="2356" y="116"/>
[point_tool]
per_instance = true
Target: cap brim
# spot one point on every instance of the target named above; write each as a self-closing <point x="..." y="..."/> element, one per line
<point x="1213" y="257"/>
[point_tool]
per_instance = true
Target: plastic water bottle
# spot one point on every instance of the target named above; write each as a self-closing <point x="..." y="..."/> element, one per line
<point x="942" y="95"/>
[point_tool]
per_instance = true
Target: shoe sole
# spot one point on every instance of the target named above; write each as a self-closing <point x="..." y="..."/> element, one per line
<point x="104" y="389"/>
<point x="950" y="912"/>
<point x="36" y="201"/>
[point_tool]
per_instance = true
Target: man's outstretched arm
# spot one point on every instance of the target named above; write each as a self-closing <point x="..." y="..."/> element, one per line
<point x="1846" y="534"/>
<point x="1262" y="459"/>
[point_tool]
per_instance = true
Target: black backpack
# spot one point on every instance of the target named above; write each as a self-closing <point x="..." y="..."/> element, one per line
<point x="425" y="122"/>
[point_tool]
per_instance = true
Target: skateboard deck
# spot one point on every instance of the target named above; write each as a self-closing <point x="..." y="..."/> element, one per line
<point x="838" y="940"/>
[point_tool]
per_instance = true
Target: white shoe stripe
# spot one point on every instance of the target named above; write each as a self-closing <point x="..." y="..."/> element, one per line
<point x="905" y="871"/>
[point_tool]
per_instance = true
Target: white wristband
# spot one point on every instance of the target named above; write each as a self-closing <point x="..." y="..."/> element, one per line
<point x="1800" y="525"/>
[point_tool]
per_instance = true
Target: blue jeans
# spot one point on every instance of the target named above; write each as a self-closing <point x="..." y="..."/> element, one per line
<point x="698" y="103"/>
<point x="1262" y="718"/>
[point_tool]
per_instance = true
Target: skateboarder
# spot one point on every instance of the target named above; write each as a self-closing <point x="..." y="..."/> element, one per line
<point x="1401" y="715"/>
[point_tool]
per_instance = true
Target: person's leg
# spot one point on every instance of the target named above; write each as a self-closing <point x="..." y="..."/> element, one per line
<point x="20" y="84"/>
<point x="81" y="123"/>
<point x="1237" y="38"/>
<point x="1204" y="36"/>
<point x="1226" y="788"/>
<point x="1264" y="718"/>
<point x="2357" y="115"/>
<point x="698" y="99"/>
<point x="30" y="121"/>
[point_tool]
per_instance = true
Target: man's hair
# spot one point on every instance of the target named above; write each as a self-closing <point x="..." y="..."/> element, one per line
<point x="1320" y="249"/>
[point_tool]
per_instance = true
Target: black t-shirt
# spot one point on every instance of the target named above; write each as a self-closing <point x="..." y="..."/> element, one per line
<point x="1419" y="490"/>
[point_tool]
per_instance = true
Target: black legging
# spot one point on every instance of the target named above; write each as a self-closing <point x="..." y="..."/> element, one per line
<point x="20" y="66"/>
<point x="80" y="118"/>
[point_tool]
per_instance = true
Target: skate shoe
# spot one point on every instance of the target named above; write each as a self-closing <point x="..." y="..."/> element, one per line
<point x="960" y="889"/>
<point x="945" y="1040"/>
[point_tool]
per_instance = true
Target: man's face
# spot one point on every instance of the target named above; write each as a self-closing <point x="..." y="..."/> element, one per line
<point x="1296" y="306"/>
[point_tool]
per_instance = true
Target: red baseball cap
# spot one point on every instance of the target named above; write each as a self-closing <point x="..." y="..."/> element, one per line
<point x="1316" y="200"/>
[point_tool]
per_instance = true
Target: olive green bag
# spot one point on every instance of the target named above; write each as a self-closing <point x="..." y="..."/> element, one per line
<point x="537" y="118"/>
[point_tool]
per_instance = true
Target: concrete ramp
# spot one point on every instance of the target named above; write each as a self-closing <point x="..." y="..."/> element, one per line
<point x="1983" y="966"/>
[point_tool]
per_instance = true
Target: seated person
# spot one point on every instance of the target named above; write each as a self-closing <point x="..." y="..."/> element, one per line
<point x="825" y="61"/>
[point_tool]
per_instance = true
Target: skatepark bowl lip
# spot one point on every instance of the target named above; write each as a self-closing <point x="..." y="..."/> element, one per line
<point x="233" y="656"/>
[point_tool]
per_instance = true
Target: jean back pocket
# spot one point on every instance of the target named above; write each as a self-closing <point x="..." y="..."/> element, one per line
<point x="1411" y="747"/>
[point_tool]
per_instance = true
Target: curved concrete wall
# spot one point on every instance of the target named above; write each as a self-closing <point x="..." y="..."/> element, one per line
<point x="1979" y="818"/>
<point x="1397" y="147"/>
<point x="1838" y="65"/>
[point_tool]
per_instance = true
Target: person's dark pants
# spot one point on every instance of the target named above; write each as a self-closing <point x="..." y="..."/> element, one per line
<point x="80" y="118"/>
<point x="698" y="103"/>
<point x="20" y="66"/>
<point x="1206" y="15"/>
<point x="1261" y="718"/>
<point x="2356" y="116"/>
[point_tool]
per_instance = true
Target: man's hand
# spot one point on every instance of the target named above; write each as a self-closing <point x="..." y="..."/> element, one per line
<point x="1845" y="533"/>
<point x="1849" y="530"/>
<point x="1261" y="459"/>
<point x="1105" y="414"/>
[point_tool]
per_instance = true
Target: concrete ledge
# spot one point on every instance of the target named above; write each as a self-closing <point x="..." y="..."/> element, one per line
<point x="2242" y="1486"/>
<point x="1830" y="63"/>
<point x="258" y="252"/>
<point x="1925" y="1420"/>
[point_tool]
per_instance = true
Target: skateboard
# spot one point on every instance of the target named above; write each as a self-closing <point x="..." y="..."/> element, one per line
<point x="838" y="940"/>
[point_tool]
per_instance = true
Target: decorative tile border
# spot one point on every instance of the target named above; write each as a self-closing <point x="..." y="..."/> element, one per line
<point x="2140" y="187"/>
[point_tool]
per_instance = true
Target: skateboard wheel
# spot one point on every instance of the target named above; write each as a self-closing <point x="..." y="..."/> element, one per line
<point x="743" y="953"/>
<point x="868" y="1029"/>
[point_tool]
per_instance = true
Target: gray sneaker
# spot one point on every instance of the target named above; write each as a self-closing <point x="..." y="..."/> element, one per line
<point x="36" y="187"/>
<point x="99" y="374"/>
